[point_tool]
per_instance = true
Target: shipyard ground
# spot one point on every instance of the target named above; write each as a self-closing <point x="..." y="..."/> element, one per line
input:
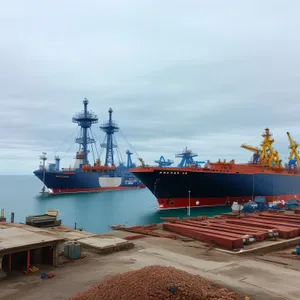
<point x="269" y="276"/>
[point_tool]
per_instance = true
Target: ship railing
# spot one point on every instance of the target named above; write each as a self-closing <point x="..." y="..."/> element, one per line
<point x="91" y="116"/>
<point x="109" y="124"/>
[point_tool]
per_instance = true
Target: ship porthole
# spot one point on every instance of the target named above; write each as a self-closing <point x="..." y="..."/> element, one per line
<point x="172" y="202"/>
<point x="197" y="202"/>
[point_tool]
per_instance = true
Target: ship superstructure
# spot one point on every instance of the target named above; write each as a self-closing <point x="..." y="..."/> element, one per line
<point x="85" y="176"/>
<point x="221" y="183"/>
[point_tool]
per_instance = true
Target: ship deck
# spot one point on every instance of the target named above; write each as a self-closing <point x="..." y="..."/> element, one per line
<point x="230" y="168"/>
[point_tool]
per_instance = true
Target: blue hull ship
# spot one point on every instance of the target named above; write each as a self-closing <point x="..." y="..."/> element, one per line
<point x="221" y="183"/>
<point x="83" y="176"/>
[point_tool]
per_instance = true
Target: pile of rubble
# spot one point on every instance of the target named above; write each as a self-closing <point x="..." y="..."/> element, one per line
<point x="155" y="283"/>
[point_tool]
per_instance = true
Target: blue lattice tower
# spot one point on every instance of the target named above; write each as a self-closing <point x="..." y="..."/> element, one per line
<point x="186" y="158"/>
<point x="129" y="161"/>
<point x="110" y="127"/>
<point x="85" y="119"/>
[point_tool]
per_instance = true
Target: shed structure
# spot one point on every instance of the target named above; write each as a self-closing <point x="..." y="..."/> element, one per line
<point x="21" y="247"/>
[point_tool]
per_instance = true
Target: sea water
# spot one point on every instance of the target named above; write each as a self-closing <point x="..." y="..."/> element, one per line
<point x="93" y="212"/>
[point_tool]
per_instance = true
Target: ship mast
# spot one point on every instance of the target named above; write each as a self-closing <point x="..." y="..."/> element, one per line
<point x="110" y="127"/>
<point x="84" y="119"/>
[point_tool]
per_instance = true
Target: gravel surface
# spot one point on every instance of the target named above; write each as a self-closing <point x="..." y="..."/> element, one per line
<point x="155" y="283"/>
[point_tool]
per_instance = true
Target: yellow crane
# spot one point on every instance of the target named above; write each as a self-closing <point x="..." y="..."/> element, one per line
<point x="267" y="155"/>
<point x="251" y="148"/>
<point x="294" y="156"/>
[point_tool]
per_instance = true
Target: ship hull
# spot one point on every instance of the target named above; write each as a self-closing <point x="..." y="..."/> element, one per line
<point x="76" y="181"/>
<point x="175" y="188"/>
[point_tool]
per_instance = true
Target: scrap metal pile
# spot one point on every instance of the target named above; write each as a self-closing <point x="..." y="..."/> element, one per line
<point x="155" y="283"/>
<point x="234" y="231"/>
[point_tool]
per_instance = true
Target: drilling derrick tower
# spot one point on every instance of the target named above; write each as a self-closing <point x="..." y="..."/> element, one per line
<point x="84" y="119"/>
<point x="109" y="127"/>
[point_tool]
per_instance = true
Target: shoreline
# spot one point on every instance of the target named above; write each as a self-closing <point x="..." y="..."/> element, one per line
<point x="273" y="277"/>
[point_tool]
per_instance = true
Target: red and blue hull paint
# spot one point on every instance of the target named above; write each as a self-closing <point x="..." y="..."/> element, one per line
<point x="72" y="182"/>
<point x="178" y="203"/>
<point x="95" y="190"/>
<point x="177" y="188"/>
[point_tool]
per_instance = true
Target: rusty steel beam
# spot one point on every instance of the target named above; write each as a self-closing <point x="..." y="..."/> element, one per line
<point x="224" y="231"/>
<point x="282" y="217"/>
<point x="170" y="219"/>
<point x="284" y="232"/>
<point x="276" y="222"/>
<point x="260" y="232"/>
<point x="218" y="239"/>
<point x="213" y="231"/>
<point x="258" y="235"/>
<point x="292" y="222"/>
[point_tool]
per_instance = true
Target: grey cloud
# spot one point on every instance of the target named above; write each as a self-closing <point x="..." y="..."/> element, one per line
<point x="207" y="75"/>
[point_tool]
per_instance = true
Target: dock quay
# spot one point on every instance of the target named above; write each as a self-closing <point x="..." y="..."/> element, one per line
<point x="274" y="272"/>
<point x="23" y="246"/>
<point x="236" y="233"/>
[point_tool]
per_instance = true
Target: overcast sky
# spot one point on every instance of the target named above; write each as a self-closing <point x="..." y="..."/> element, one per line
<point x="209" y="75"/>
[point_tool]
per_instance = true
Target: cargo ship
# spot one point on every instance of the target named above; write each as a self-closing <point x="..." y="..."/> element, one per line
<point x="221" y="183"/>
<point x="83" y="176"/>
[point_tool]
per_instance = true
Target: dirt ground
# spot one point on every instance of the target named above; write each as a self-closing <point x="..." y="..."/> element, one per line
<point x="286" y="258"/>
<point x="259" y="277"/>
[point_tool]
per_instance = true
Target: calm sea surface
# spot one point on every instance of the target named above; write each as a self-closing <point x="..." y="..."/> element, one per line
<point x="93" y="212"/>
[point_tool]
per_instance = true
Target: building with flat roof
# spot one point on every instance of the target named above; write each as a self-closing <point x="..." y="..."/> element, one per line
<point x="22" y="246"/>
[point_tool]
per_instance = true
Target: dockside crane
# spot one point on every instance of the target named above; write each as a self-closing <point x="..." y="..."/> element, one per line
<point x="256" y="151"/>
<point x="267" y="155"/>
<point x="187" y="159"/>
<point x="162" y="162"/>
<point x="294" y="156"/>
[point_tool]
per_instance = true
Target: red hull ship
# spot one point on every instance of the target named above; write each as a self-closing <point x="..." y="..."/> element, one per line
<point x="222" y="183"/>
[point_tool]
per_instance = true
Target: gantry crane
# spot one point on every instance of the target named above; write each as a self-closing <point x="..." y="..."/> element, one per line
<point x="266" y="155"/>
<point x="162" y="162"/>
<point x="294" y="156"/>
<point x="187" y="159"/>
